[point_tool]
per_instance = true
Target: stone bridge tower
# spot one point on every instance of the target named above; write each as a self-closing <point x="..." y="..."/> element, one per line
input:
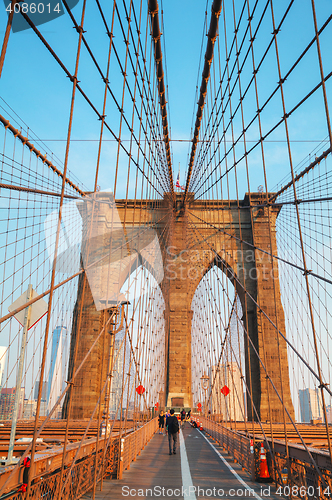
<point x="237" y="237"/>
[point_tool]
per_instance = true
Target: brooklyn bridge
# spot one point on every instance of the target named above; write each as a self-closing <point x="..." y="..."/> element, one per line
<point x="166" y="244"/>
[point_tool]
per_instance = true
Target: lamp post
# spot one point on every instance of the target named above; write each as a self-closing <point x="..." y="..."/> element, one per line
<point x="115" y="308"/>
<point x="205" y="385"/>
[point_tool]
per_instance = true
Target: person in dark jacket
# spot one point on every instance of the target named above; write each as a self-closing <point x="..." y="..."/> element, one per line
<point x="173" y="428"/>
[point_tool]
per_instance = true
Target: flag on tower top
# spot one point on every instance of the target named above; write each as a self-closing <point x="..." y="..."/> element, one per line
<point x="178" y="182"/>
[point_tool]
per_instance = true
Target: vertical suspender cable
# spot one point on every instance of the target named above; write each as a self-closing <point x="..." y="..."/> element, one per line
<point x="212" y="36"/>
<point x="156" y="34"/>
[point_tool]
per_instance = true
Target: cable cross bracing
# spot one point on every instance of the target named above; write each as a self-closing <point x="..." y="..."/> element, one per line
<point x="214" y="296"/>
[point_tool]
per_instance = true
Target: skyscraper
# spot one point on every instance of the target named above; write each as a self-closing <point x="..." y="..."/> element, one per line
<point x="310" y="404"/>
<point x="57" y="366"/>
<point x="117" y="382"/>
<point x="44" y="390"/>
<point x="2" y="364"/>
<point x="7" y="400"/>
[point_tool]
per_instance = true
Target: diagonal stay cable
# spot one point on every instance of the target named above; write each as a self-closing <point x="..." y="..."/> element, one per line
<point x="231" y="273"/>
<point x="79" y="88"/>
<point x="156" y="34"/>
<point x="264" y="251"/>
<point x="212" y="36"/>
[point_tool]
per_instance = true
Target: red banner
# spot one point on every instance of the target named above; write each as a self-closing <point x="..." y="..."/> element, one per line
<point x="140" y="390"/>
<point x="224" y="390"/>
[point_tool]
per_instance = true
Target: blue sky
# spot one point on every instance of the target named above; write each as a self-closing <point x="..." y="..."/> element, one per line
<point x="38" y="91"/>
<point x="34" y="86"/>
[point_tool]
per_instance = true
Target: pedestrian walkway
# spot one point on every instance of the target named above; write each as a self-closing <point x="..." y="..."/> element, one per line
<point x="199" y="470"/>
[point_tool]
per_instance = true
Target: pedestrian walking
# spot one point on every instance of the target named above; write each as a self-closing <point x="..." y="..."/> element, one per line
<point x="172" y="425"/>
<point x="183" y="416"/>
<point x="161" y="422"/>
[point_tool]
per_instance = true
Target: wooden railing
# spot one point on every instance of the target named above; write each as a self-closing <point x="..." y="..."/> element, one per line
<point x="304" y="479"/>
<point x="133" y="443"/>
<point x="110" y="462"/>
<point x="236" y="445"/>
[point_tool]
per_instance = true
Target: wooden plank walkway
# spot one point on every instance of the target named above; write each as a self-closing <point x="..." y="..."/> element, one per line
<point x="156" y="474"/>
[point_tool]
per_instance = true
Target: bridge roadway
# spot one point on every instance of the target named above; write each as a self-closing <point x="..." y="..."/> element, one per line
<point x="199" y="463"/>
